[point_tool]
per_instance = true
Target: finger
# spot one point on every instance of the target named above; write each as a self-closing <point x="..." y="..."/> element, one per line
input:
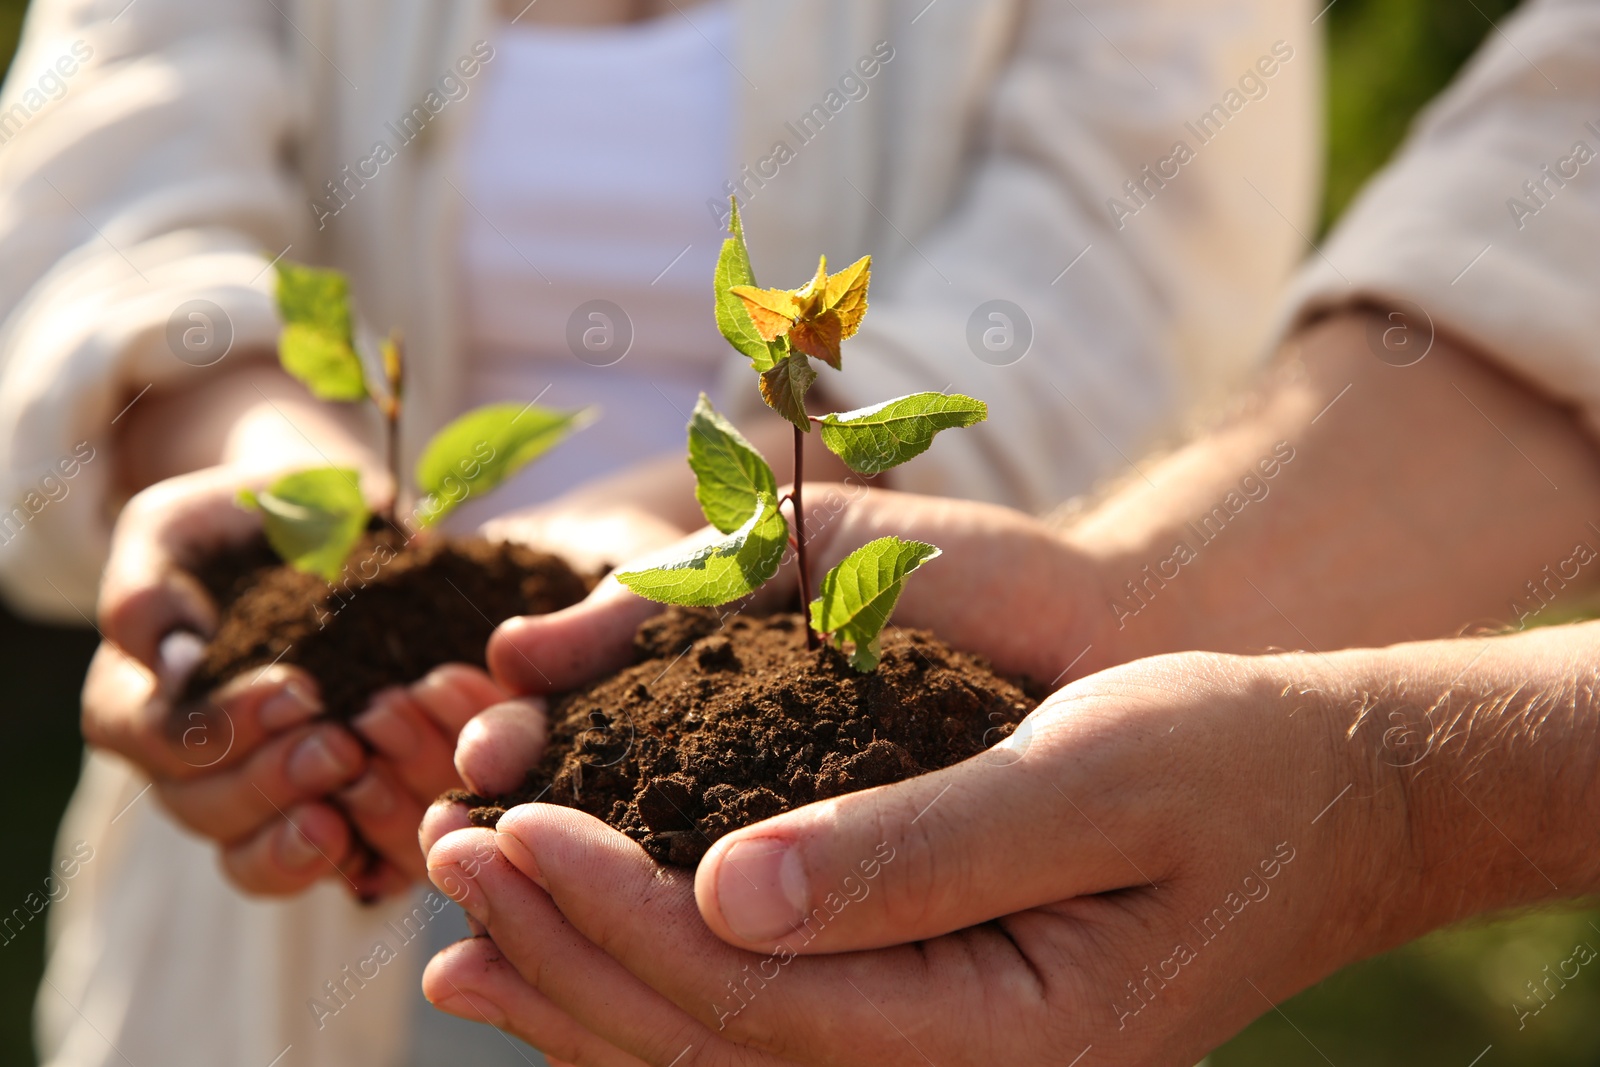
<point x="1018" y="826"/>
<point x="387" y="817"/>
<point x="234" y="803"/>
<point x="179" y="653"/>
<point x="496" y="749"/>
<point x="309" y="843"/>
<point x="148" y="587"/>
<point x="550" y="653"/>
<point x="997" y="834"/>
<point x="598" y="993"/>
<point x="452" y="694"/>
<point x="564" y="649"/>
<point x="473" y="980"/>
<point x="787" y="1006"/>
<point x="407" y="738"/>
<point x="369" y="880"/>
<point x="124" y="711"/>
<point x="442" y="817"/>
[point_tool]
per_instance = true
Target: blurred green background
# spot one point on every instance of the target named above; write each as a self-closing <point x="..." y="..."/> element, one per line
<point x="1444" y="1000"/>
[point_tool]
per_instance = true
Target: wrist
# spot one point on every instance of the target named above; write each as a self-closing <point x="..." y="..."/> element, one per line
<point x="1493" y="748"/>
<point x="1353" y="503"/>
<point x="1176" y="550"/>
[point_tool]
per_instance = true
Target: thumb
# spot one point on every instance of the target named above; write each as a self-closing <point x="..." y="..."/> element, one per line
<point x="563" y="650"/>
<point x="989" y="837"/>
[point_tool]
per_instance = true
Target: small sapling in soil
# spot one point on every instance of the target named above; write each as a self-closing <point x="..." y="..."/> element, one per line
<point x="360" y="600"/>
<point x="722" y="723"/>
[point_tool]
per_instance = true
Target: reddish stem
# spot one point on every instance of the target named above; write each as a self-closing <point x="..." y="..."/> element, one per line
<point x="394" y="372"/>
<point x="812" y="641"/>
<point x="392" y="446"/>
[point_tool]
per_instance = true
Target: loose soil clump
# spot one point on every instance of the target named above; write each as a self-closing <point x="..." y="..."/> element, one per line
<point x="716" y="727"/>
<point x="402" y="610"/>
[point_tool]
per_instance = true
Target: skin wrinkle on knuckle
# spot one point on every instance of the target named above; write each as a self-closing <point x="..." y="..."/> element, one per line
<point x="932" y="876"/>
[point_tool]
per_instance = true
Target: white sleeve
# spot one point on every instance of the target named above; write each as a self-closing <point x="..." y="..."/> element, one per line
<point x="1166" y="300"/>
<point x="142" y="168"/>
<point x="1489" y="217"/>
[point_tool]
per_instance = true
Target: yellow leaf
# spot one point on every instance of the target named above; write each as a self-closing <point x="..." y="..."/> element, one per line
<point x="773" y="311"/>
<point x="813" y="289"/>
<point x="816" y="318"/>
<point x="819" y="338"/>
<point x="847" y="295"/>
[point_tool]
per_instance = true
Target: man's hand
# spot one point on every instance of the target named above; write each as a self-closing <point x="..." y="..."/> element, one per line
<point x="1165" y="850"/>
<point x="1116" y="875"/>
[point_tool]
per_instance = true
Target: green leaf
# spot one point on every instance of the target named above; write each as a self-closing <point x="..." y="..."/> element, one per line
<point x="317" y="345"/>
<point x="312" y="519"/>
<point x="874" y="439"/>
<point x="859" y="595"/>
<point x="727" y="570"/>
<point x="733" y="319"/>
<point x="483" y="448"/>
<point x="730" y="474"/>
<point x="784" y="388"/>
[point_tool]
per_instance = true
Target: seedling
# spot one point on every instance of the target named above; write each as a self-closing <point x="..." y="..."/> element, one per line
<point x="314" y="518"/>
<point x="781" y="331"/>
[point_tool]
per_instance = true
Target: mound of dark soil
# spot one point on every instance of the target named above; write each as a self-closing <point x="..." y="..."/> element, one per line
<point x="400" y="611"/>
<point x="714" y="728"/>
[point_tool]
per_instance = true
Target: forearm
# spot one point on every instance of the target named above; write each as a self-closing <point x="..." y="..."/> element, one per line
<point x="252" y="415"/>
<point x="1352" y="503"/>
<point x="1494" y="746"/>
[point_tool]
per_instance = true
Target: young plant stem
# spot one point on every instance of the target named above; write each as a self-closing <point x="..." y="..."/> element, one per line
<point x="812" y="641"/>
<point x="391" y="419"/>
<point x="395" y="375"/>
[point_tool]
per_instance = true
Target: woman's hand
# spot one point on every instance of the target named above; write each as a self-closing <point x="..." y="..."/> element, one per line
<point x="289" y="799"/>
<point x="1006" y="586"/>
<point x="1160" y="853"/>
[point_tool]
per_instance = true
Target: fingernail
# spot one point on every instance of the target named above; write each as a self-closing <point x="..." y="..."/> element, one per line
<point x="180" y="653"/>
<point x="291" y="705"/>
<point x="296" y="850"/>
<point x="314" y="766"/>
<point x="370" y="796"/>
<point x="388" y="729"/>
<point x="512" y="848"/>
<point x="761" y="888"/>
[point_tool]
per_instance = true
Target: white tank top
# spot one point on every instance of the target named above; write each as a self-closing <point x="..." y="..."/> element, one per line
<point x="588" y="167"/>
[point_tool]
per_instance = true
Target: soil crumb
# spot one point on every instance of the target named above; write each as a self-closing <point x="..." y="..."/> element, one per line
<point x="399" y="611"/>
<point x="716" y="727"/>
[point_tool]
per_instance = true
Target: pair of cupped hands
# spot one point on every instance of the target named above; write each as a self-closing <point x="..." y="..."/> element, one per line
<point x="1024" y="906"/>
